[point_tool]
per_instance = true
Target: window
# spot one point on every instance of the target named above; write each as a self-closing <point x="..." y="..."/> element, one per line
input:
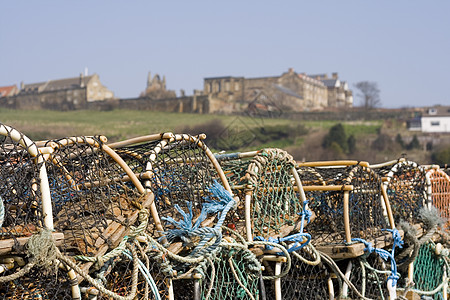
<point x="435" y="123"/>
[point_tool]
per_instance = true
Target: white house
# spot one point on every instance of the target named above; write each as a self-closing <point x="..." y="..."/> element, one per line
<point x="436" y="119"/>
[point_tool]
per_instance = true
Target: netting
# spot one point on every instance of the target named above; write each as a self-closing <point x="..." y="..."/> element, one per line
<point x="429" y="269"/>
<point x="22" y="178"/>
<point x="233" y="274"/>
<point x="440" y="193"/>
<point x="275" y="207"/>
<point x="20" y="196"/>
<point x="369" y="273"/>
<point x="306" y="279"/>
<point x="181" y="171"/>
<point x="93" y="205"/>
<point x="235" y="166"/>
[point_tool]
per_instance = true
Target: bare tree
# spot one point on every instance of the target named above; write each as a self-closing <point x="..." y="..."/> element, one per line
<point x="369" y="93"/>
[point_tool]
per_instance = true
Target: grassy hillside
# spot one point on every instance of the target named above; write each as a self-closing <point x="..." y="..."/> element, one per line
<point x="303" y="139"/>
<point x="121" y="124"/>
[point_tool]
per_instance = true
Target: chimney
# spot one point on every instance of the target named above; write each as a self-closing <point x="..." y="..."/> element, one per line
<point x="81" y="80"/>
<point x="334" y="75"/>
<point x="22" y="86"/>
<point x="291" y="70"/>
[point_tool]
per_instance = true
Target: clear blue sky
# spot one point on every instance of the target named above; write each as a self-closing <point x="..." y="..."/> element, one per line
<point x="403" y="45"/>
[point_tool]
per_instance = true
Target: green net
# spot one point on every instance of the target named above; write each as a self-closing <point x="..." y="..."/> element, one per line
<point x="429" y="269"/>
<point x="275" y="205"/>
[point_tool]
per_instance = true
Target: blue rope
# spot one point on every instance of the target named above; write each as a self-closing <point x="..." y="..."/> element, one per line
<point x="384" y="254"/>
<point x="183" y="227"/>
<point x="298" y="238"/>
<point x="220" y="201"/>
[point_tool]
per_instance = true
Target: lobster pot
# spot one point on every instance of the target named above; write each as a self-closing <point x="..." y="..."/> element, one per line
<point x="24" y="197"/>
<point x="439" y="193"/>
<point x="20" y="186"/>
<point x="406" y="188"/>
<point x="368" y="274"/>
<point x="347" y="202"/>
<point x="39" y="283"/>
<point x="446" y="169"/>
<point x="273" y="200"/>
<point x="231" y="273"/>
<point x="116" y="276"/>
<point x="95" y="203"/>
<point x="306" y="279"/>
<point x="179" y="169"/>
<point x="430" y="271"/>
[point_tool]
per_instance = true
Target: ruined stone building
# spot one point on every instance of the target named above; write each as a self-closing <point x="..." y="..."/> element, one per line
<point x="156" y="88"/>
<point x="61" y="94"/>
<point x="289" y="92"/>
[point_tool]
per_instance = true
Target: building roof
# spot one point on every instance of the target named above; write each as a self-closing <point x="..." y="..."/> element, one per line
<point x="56" y="85"/>
<point x="7" y="90"/>
<point x="331" y="82"/>
<point x="437" y="111"/>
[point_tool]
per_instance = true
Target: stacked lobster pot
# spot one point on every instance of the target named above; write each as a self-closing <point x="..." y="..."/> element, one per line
<point x="193" y="201"/>
<point x="422" y="261"/>
<point x="275" y="214"/>
<point x="353" y="225"/>
<point x="161" y="217"/>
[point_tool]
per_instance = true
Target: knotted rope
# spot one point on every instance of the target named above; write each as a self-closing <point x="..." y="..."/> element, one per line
<point x="220" y="201"/>
<point x="43" y="252"/>
<point x="385" y="255"/>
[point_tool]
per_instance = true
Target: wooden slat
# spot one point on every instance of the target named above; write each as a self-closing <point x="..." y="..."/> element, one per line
<point x="354" y="250"/>
<point x="6" y="246"/>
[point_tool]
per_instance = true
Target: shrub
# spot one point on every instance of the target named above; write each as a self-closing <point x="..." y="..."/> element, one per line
<point x="400" y="141"/>
<point x="414" y="144"/>
<point x="351" y="142"/>
<point x="336" y="135"/>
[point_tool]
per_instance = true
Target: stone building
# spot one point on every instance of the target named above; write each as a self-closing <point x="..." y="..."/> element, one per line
<point x="339" y="95"/>
<point x="289" y="92"/>
<point x="61" y="94"/>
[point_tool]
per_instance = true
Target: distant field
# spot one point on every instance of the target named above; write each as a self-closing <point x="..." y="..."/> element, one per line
<point x="122" y="124"/>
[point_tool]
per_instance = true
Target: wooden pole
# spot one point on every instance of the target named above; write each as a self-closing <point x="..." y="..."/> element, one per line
<point x="348" y="236"/>
<point x="388" y="206"/>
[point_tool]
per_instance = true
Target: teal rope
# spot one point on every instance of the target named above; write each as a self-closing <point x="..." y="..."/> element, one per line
<point x="146" y="273"/>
